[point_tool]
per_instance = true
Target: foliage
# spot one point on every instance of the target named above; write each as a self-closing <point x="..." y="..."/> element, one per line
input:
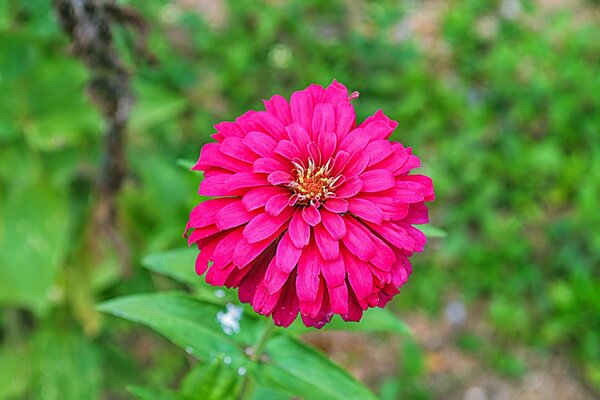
<point x="503" y="109"/>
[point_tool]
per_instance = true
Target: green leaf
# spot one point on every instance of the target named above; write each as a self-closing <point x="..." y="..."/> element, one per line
<point x="190" y="323"/>
<point x="16" y="371"/>
<point x="373" y="320"/>
<point x="187" y="164"/>
<point x="142" y="393"/>
<point x="292" y="368"/>
<point x="432" y="231"/>
<point x="67" y="366"/>
<point x="33" y="242"/>
<point x="179" y="265"/>
<point x="212" y="381"/>
<point x="176" y="264"/>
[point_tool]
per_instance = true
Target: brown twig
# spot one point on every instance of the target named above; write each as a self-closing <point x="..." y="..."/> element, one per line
<point x="88" y="24"/>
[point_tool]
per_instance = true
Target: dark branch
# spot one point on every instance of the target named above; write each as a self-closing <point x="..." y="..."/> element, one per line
<point x="88" y="24"/>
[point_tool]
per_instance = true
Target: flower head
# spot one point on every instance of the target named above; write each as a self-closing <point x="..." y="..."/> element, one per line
<point x="313" y="214"/>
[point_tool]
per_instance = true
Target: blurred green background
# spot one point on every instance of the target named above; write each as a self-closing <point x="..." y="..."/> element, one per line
<point x="499" y="98"/>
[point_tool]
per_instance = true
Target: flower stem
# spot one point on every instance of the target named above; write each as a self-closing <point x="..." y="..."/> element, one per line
<point x="257" y="351"/>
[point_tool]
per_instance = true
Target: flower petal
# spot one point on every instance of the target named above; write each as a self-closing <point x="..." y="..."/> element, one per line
<point x="357" y="240"/>
<point x="299" y="230"/>
<point x="336" y="205"/>
<point x="301" y="104"/>
<point x="311" y="215"/>
<point x="268" y="165"/>
<point x="307" y="281"/>
<point x="323" y="119"/>
<point x="258" y="197"/>
<point x="279" y="107"/>
<point x="276" y="204"/>
<point x="245" y="180"/>
<point x="338" y="297"/>
<point x="279" y="178"/>
<point x="328" y="246"/>
<point x="350" y="188"/>
<point x="263" y="225"/>
<point x="365" y="209"/>
<point x="359" y="275"/>
<point x="232" y="215"/>
<point x="287" y="254"/>
<point x="260" y="143"/>
<point x="334" y="224"/>
<point x="377" y="180"/>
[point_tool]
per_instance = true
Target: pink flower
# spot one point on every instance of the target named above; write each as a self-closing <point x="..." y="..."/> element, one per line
<point x="313" y="213"/>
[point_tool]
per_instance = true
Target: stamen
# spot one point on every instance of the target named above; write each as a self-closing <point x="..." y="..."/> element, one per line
<point x="313" y="185"/>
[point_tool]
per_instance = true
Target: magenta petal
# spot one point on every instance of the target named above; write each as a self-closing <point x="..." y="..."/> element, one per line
<point x="338" y="297"/>
<point x="384" y="257"/>
<point x="264" y="302"/>
<point x="279" y="107"/>
<point x="346" y="117"/>
<point x="215" y="185"/>
<point x="356" y="164"/>
<point x="202" y="233"/>
<point x="232" y="215"/>
<point x="218" y="276"/>
<point x="258" y="197"/>
<point x="359" y="276"/>
<point x="365" y="209"/>
<point x="299" y="137"/>
<point x="204" y="214"/>
<point x="378" y="151"/>
<point x="395" y="235"/>
<point x="424" y="181"/>
<point x="336" y="205"/>
<point x="301" y="104"/>
<point x="299" y="230"/>
<point x="358" y="241"/>
<point x="260" y="143"/>
<point x="340" y="162"/>
<point x="279" y="178"/>
<point x="267" y="165"/>
<point x="276" y="204"/>
<point x="417" y="214"/>
<point x="246" y="252"/>
<point x="271" y="124"/>
<point x="204" y="256"/>
<point x="227" y="129"/>
<point x="333" y="271"/>
<point x="212" y="157"/>
<point x="307" y="281"/>
<point x="263" y="225"/>
<point x="223" y="253"/>
<point x="274" y="278"/>
<point x="327" y="143"/>
<point x="350" y="188"/>
<point x="335" y="93"/>
<point x="334" y="224"/>
<point x="288" y="150"/>
<point x="287" y="308"/>
<point x="377" y="180"/>
<point x="323" y="119"/>
<point x="235" y="147"/>
<point x="328" y="246"/>
<point x="311" y="215"/>
<point x="355" y="141"/>
<point x="244" y="180"/>
<point x="287" y="254"/>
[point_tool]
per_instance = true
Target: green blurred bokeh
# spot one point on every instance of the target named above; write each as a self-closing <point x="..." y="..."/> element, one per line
<point x="500" y="99"/>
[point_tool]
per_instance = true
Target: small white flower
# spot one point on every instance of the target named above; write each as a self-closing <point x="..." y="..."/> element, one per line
<point x="230" y="320"/>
